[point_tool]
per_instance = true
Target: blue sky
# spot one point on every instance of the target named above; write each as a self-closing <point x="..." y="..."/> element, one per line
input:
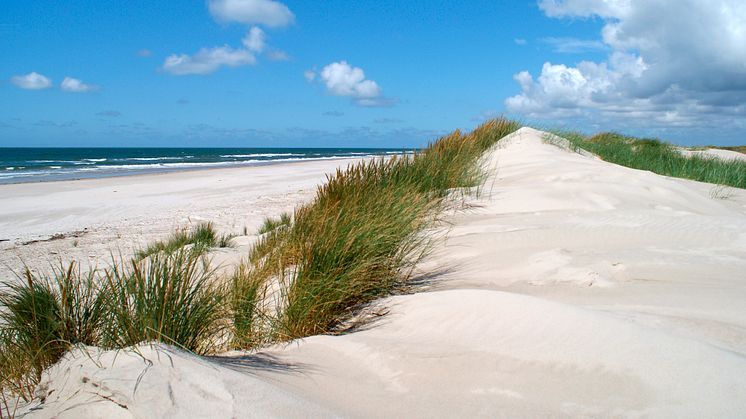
<point x="256" y="73"/>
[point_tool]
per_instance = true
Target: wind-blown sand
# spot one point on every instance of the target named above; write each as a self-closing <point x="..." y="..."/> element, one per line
<point x="578" y="288"/>
<point x="88" y="219"/>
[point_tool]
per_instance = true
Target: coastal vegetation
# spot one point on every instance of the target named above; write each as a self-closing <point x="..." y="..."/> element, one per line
<point x="309" y="272"/>
<point x="659" y="157"/>
<point x="358" y="240"/>
<point x="202" y="238"/>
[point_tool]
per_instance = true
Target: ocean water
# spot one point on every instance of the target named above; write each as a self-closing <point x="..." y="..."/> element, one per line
<point x="20" y="165"/>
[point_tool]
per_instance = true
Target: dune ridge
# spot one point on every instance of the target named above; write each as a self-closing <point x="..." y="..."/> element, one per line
<point x="574" y="288"/>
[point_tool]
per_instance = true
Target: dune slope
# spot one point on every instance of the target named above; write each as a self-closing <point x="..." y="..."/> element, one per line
<point x="578" y="287"/>
<point x="575" y="288"/>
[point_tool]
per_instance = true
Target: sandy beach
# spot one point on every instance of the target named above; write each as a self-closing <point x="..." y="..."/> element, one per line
<point x="86" y="220"/>
<point x="573" y="288"/>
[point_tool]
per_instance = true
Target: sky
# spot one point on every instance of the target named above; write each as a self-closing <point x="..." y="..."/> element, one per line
<point x="377" y="73"/>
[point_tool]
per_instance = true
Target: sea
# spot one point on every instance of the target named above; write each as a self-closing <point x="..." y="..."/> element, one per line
<point x="22" y="165"/>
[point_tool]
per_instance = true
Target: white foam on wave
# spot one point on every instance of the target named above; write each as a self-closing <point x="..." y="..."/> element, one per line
<point x="154" y="158"/>
<point x="242" y="156"/>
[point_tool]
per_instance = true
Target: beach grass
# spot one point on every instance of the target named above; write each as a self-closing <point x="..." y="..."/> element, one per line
<point x="41" y="317"/>
<point x="247" y="293"/>
<point x="173" y="298"/>
<point x="169" y="297"/>
<point x="271" y="224"/>
<point x="660" y="157"/>
<point x="201" y="237"/>
<point x="357" y="240"/>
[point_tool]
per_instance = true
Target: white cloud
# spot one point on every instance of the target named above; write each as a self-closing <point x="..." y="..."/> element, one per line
<point x="255" y="40"/>
<point x="310" y="75"/>
<point x="208" y="60"/>
<point x="342" y="79"/>
<point x="672" y="62"/>
<point x="520" y="41"/>
<point x="586" y="8"/>
<point x="254" y="43"/>
<point x="253" y="12"/>
<point x="33" y="81"/>
<point x="70" y="84"/>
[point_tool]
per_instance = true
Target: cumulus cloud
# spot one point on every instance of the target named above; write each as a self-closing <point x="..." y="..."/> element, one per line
<point x="32" y="81"/>
<point x="585" y="8"/>
<point x="70" y="84"/>
<point x="675" y="62"/>
<point x="342" y="79"/>
<point x="253" y="12"/>
<point x="255" y="40"/>
<point x="208" y="60"/>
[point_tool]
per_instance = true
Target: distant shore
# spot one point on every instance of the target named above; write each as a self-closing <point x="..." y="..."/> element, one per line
<point x="31" y="165"/>
<point x="90" y="218"/>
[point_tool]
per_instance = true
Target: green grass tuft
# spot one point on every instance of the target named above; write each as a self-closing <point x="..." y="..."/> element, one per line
<point x="169" y="297"/>
<point x="42" y="317"/>
<point x="201" y="238"/>
<point x="363" y="233"/>
<point x="660" y="157"/>
<point x="271" y="224"/>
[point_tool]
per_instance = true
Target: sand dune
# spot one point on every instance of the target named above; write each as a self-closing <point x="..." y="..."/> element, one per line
<point x="576" y="288"/>
<point x="161" y="381"/>
<point x="579" y="288"/>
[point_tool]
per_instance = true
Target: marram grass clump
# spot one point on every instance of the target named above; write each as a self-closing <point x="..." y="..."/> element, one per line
<point x="201" y="238"/>
<point x="169" y="297"/>
<point x="174" y="298"/>
<point x="271" y="224"/>
<point x="359" y="239"/>
<point x="41" y="317"/>
<point x="660" y="157"/>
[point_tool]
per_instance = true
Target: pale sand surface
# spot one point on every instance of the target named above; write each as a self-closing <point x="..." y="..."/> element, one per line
<point x="101" y="216"/>
<point x="578" y="288"/>
<point x="716" y="152"/>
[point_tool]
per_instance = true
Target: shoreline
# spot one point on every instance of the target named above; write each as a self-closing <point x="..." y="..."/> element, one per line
<point x="70" y="177"/>
<point x="86" y="219"/>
